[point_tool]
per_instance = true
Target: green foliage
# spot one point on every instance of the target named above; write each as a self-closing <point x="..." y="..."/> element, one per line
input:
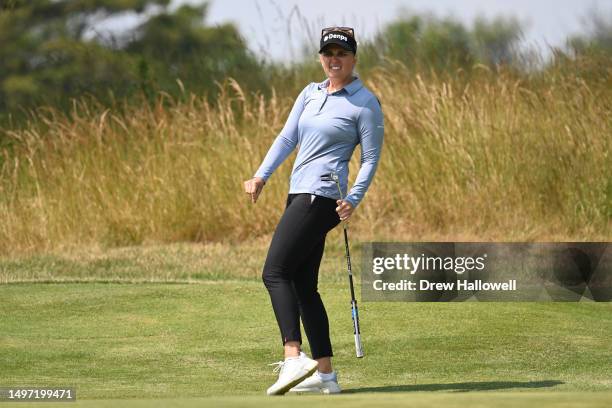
<point x="593" y="45"/>
<point x="598" y="37"/>
<point x="48" y="57"/>
<point x="494" y="42"/>
<point x="429" y="42"/>
<point x="586" y="59"/>
<point x="45" y="58"/>
<point x="178" y="46"/>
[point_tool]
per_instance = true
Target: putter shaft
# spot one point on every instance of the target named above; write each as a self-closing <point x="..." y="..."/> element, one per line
<point x="354" y="309"/>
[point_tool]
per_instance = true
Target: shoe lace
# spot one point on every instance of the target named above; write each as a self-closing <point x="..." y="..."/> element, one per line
<point x="279" y="366"/>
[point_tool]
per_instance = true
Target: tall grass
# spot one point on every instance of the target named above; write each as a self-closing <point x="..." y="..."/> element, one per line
<point x="485" y="156"/>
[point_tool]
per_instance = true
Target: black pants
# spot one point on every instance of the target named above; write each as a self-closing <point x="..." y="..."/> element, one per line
<point x="291" y="270"/>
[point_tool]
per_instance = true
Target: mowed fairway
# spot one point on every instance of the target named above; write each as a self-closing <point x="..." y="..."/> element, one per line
<point x="208" y="343"/>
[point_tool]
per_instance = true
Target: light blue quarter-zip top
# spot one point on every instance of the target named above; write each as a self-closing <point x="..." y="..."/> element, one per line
<point x="326" y="128"/>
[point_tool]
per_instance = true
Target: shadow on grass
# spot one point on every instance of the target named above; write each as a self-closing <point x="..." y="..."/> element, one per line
<point x="458" y="387"/>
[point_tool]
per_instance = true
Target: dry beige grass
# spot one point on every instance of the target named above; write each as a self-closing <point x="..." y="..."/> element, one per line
<point x="490" y="157"/>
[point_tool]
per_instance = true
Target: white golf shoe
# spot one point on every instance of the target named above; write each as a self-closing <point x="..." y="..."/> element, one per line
<point x="292" y="371"/>
<point x="318" y="384"/>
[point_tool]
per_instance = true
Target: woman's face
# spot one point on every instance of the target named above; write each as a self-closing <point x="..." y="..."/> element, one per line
<point x="337" y="62"/>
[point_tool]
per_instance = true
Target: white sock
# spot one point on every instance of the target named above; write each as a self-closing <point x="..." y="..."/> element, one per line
<point x="327" y="376"/>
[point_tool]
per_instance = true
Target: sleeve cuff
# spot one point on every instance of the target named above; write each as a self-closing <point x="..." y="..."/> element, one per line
<point x="351" y="201"/>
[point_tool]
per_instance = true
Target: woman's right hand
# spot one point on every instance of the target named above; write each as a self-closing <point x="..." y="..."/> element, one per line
<point x="253" y="187"/>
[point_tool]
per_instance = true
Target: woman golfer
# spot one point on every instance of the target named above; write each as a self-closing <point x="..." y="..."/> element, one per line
<point x="326" y="123"/>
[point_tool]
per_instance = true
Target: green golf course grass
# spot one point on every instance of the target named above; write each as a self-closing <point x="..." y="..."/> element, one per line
<point x="378" y="399"/>
<point x="208" y="343"/>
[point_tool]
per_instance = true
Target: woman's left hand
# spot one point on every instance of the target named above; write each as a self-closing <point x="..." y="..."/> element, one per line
<point x="344" y="209"/>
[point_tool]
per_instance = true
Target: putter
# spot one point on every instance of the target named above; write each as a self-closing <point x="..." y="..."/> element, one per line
<point x="358" y="349"/>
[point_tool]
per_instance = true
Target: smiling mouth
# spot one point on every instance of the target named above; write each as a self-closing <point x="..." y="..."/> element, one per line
<point x="335" y="68"/>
